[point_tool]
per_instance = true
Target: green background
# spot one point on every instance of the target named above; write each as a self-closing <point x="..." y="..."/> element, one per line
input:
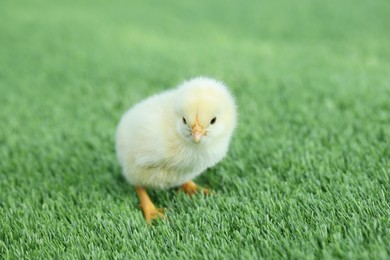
<point x="308" y="172"/>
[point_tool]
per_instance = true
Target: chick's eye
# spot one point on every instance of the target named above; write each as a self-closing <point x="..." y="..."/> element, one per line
<point x="213" y="120"/>
<point x="184" y="121"/>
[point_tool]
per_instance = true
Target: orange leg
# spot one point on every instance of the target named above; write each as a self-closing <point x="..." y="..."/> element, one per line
<point x="150" y="211"/>
<point x="191" y="188"/>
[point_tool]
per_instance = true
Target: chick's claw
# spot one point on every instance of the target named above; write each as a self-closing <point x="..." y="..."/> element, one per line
<point x="206" y="191"/>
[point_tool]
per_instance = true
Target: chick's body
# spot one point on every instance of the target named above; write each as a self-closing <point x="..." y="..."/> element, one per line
<point x="154" y="144"/>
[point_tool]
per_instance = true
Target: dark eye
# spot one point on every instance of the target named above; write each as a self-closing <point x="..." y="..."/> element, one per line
<point x="184" y="121"/>
<point x="213" y="120"/>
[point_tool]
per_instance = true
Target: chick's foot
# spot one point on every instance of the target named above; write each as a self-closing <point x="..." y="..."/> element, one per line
<point x="150" y="211"/>
<point x="191" y="188"/>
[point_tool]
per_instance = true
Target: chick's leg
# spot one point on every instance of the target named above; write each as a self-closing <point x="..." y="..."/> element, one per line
<point x="191" y="188"/>
<point x="150" y="211"/>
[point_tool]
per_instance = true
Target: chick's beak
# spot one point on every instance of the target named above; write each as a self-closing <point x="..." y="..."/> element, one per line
<point x="197" y="131"/>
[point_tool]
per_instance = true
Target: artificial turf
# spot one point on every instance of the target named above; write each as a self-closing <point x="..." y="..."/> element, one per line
<point x="308" y="172"/>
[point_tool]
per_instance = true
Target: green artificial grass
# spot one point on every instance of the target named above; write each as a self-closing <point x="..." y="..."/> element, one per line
<point x="308" y="172"/>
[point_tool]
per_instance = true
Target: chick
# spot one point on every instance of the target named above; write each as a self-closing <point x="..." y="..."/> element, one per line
<point x="169" y="139"/>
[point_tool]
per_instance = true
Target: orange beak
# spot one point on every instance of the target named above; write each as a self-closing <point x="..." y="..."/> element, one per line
<point x="197" y="131"/>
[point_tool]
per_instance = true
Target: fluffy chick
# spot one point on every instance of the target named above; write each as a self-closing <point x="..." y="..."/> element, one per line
<point x="170" y="138"/>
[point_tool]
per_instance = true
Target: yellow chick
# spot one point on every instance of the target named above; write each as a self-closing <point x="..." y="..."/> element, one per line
<point x="169" y="139"/>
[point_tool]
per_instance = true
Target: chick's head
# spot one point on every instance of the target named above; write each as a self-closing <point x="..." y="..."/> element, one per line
<point x="205" y="111"/>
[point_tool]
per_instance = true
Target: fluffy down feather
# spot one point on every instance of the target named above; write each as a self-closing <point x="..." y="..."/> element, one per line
<point x="170" y="138"/>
